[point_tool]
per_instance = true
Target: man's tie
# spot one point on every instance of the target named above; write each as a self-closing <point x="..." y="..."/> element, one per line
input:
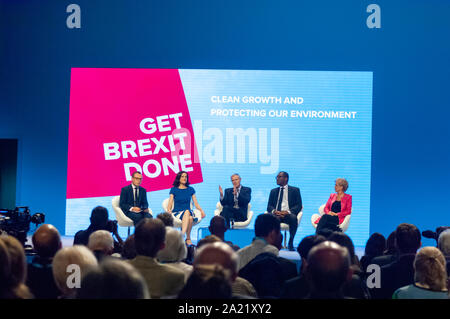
<point x="280" y="199"/>
<point x="135" y="197"/>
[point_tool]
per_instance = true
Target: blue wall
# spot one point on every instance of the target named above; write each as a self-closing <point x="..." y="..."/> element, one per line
<point x="409" y="57"/>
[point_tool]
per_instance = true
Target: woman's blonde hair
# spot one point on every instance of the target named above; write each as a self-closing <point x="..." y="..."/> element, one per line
<point x="342" y="182"/>
<point x="429" y="266"/>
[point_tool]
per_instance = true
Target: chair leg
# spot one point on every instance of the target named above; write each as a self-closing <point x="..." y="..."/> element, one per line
<point x="128" y="231"/>
<point x="284" y="246"/>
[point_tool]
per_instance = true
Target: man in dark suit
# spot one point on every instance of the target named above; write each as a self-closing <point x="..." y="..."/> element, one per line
<point x="235" y="201"/>
<point x="133" y="200"/>
<point x="285" y="202"/>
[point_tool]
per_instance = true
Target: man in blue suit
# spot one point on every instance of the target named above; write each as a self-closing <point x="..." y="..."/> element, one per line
<point x="133" y="200"/>
<point x="235" y="201"/>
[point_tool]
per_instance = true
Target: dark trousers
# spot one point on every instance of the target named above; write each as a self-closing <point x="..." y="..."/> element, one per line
<point x="328" y="223"/>
<point x="137" y="217"/>
<point x="291" y="220"/>
<point x="230" y="213"/>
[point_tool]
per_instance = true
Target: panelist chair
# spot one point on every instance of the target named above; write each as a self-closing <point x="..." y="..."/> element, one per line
<point x="343" y="226"/>
<point x="237" y="225"/>
<point x="176" y="220"/>
<point x="121" y="218"/>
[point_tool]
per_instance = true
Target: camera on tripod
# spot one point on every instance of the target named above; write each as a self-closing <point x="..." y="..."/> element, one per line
<point x="16" y="222"/>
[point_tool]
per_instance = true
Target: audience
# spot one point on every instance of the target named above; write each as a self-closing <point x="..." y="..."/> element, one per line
<point x="207" y="282"/>
<point x="101" y="244"/>
<point x="444" y="247"/>
<point x="262" y="267"/>
<point x="174" y="252"/>
<point x="129" y="248"/>
<point x="356" y="286"/>
<point x="389" y="255"/>
<point x="99" y="221"/>
<point x="46" y="242"/>
<point x="327" y="270"/>
<point x="430" y="277"/>
<point x="222" y="254"/>
<point x="298" y="287"/>
<point x="218" y="227"/>
<point x="166" y="218"/>
<point x="268" y="238"/>
<point x="113" y="279"/>
<point x="162" y="280"/>
<point x="17" y="268"/>
<point x="400" y="272"/>
<point x="66" y="278"/>
<point x="375" y="246"/>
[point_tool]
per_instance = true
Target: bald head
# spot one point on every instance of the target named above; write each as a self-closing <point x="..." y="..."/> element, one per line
<point x="328" y="267"/>
<point x="46" y="241"/>
<point x="218" y="253"/>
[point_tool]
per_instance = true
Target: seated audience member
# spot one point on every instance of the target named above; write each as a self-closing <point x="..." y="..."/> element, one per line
<point x="217" y="227"/>
<point x="162" y="280"/>
<point x="389" y="255"/>
<point x="174" y="252"/>
<point x="221" y="253"/>
<point x="375" y="246"/>
<point x="113" y="279"/>
<point x="129" y="248"/>
<point x="430" y="277"/>
<point x="268" y="238"/>
<point x="400" y="272"/>
<point x="101" y="244"/>
<point x="17" y="268"/>
<point x="327" y="270"/>
<point x="266" y="271"/>
<point x="444" y="247"/>
<point x="338" y="206"/>
<point x="298" y="287"/>
<point x="77" y="255"/>
<point x="46" y="242"/>
<point x="99" y="221"/>
<point x="356" y="287"/>
<point x="166" y="218"/>
<point x="208" y="240"/>
<point x="207" y="282"/>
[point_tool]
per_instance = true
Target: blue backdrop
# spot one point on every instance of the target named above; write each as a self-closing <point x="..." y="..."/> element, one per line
<point x="408" y="56"/>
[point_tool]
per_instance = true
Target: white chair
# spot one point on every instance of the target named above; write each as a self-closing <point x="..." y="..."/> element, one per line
<point x="285" y="227"/>
<point x="237" y="225"/>
<point x="121" y="218"/>
<point x="343" y="226"/>
<point x="176" y="220"/>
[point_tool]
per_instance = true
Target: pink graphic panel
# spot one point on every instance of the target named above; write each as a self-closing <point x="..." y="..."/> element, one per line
<point x="123" y="120"/>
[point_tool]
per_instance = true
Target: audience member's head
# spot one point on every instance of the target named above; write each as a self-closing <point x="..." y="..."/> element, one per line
<point x="444" y="243"/>
<point x="390" y="245"/>
<point x="101" y="243"/>
<point x="306" y="244"/>
<point x="430" y="269"/>
<point x="407" y="238"/>
<point x="129" y="248"/>
<point x="345" y="241"/>
<point x="99" y="217"/>
<point x="208" y="240"/>
<point x="328" y="268"/>
<point x="217" y="226"/>
<point x="113" y="279"/>
<point x="6" y="282"/>
<point x="267" y="226"/>
<point x="18" y="267"/>
<point x="166" y="218"/>
<point x="375" y="245"/>
<point x="218" y="253"/>
<point x="46" y="241"/>
<point x="77" y="255"/>
<point x="149" y="237"/>
<point x="175" y="248"/>
<point x="207" y="282"/>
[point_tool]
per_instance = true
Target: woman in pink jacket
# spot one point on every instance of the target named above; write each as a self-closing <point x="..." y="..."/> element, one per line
<point x="337" y="207"/>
